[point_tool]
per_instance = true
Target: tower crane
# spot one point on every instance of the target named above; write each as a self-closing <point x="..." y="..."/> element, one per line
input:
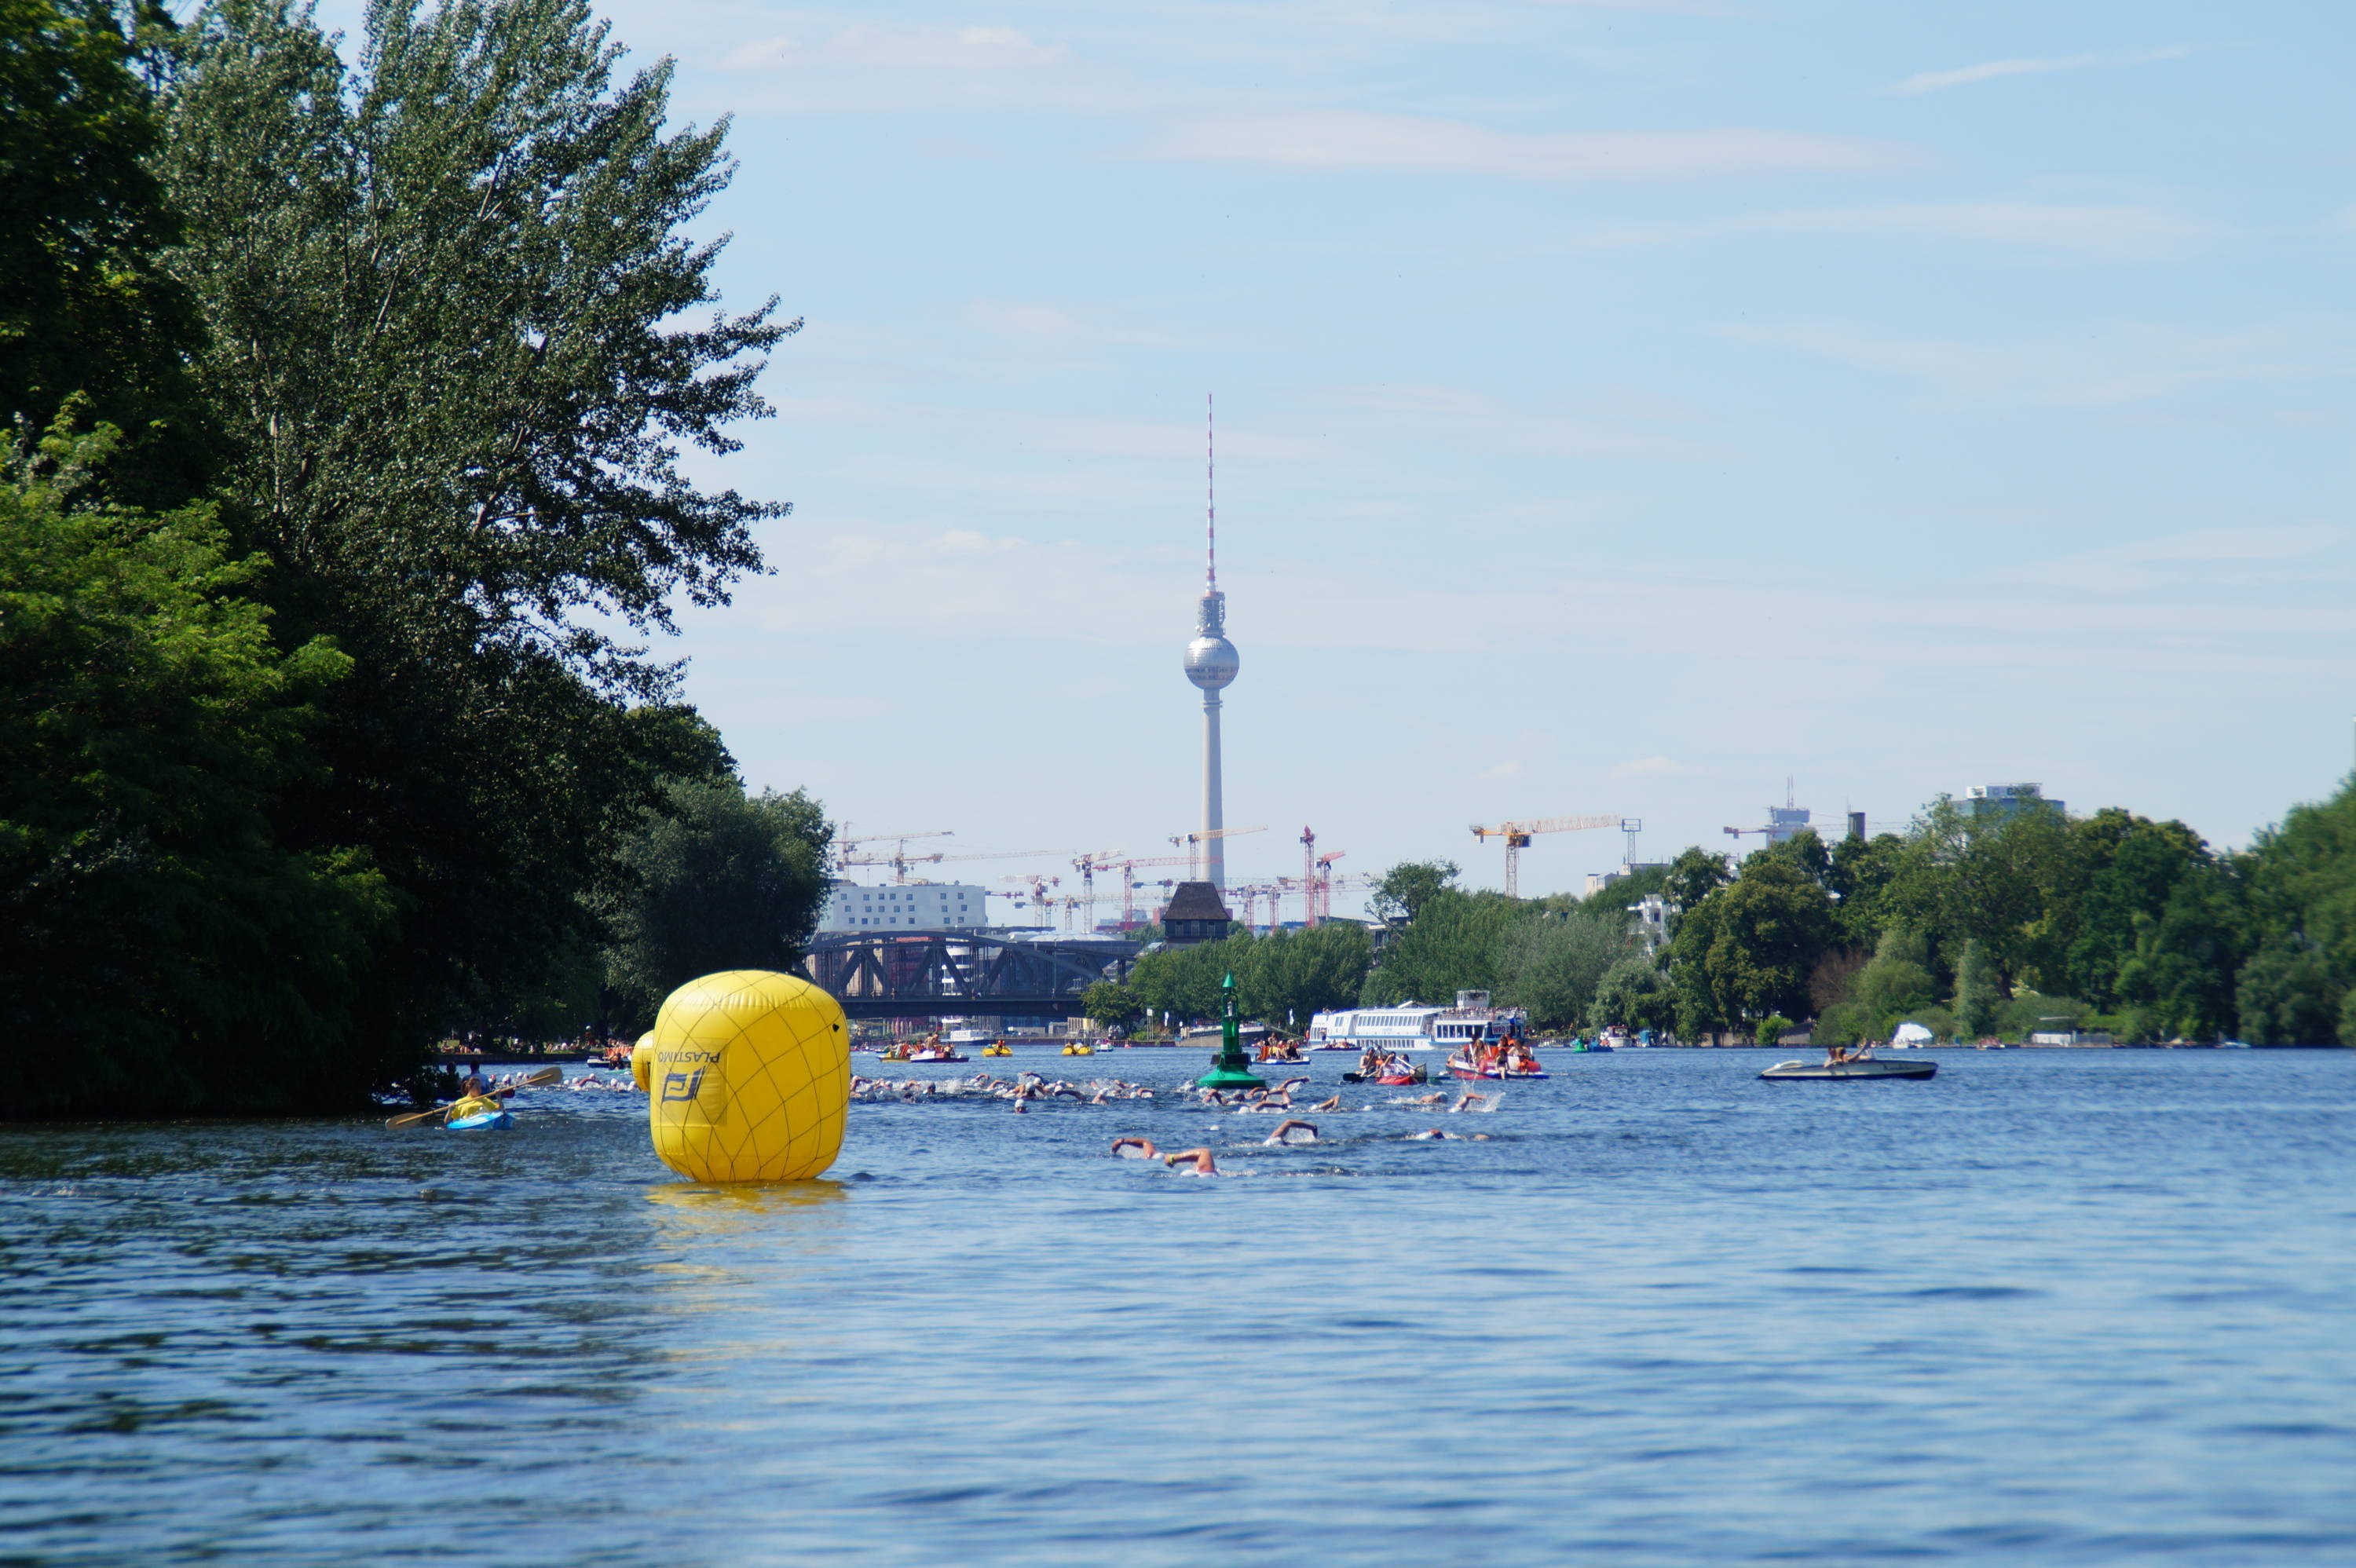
<point x="900" y="861"/>
<point x="1517" y="835"/>
<point x="1193" y="841"/>
<point x="1085" y="865"/>
<point x="1040" y="898"/>
<point x="900" y="839"/>
<point x="1128" y="884"/>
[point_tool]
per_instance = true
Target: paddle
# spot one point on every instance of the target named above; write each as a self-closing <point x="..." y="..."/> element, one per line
<point x="538" y="1080"/>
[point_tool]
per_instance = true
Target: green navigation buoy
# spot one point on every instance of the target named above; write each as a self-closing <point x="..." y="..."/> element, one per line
<point x="1229" y="1069"/>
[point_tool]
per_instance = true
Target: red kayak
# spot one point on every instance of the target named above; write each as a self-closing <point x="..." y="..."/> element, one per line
<point x="1474" y="1075"/>
<point x="1395" y="1079"/>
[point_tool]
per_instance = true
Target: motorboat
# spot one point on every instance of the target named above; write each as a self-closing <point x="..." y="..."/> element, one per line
<point x="1790" y="1072"/>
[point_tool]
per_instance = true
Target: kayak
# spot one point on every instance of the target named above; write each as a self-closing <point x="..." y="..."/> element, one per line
<point x="1396" y="1079"/>
<point x="483" y="1121"/>
<point x="1474" y="1074"/>
<point x="1791" y="1071"/>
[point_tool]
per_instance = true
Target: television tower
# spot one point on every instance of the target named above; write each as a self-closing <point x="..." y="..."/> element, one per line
<point x="1211" y="664"/>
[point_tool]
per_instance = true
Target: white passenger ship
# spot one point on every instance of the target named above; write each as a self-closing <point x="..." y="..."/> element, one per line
<point x="1413" y="1026"/>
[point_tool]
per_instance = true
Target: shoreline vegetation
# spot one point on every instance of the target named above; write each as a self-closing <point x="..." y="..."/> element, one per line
<point x="347" y="387"/>
<point x="1978" y="927"/>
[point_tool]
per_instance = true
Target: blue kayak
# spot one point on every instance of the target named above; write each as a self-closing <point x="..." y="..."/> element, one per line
<point x="481" y="1122"/>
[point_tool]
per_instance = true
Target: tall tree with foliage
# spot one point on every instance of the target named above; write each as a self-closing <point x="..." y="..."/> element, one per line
<point x="448" y="290"/>
<point x="1456" y="943"/>
<point x="1747" y="950"/>
<point x="161" y="950"/>
<point x="718" y="879"/>
<point x="1406" y="886"/>
<point x="91" y="326"/>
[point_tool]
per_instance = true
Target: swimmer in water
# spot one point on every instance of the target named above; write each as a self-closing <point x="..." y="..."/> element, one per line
<point x="1135" y="1148"/>
<point x="1437" y="1097"/>
<point x="1199" y="1159"/>
<point x="1292" y="1130"/>
<point x="1470" y="1100"/>
<point x="1333" y="1104"/>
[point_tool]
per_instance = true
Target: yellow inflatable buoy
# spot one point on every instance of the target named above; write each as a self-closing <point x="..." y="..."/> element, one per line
<point x="642" y="1059"/>
<point x="749" y="1078"/>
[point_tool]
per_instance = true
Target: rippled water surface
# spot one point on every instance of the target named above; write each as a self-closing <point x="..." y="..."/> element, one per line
<point x="2052" y="1307"/>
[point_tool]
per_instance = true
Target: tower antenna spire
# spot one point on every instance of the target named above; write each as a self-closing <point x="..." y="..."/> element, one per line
<point x="1211" y="486"/>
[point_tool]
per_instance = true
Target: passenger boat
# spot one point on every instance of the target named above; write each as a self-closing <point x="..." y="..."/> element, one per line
<point x="1412" y="1025"/>
<point x="1846" y="1071"/>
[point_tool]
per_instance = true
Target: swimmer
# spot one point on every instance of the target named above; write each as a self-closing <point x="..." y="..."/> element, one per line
<point x="1292" y="1130"/>
<point x="1199" y="1158"/>
<point x="1470" y="1100"/>
<point x="1135" y="1148"/>
<point x="1333" y="1104"/>
<point x="1437" y="1097"/>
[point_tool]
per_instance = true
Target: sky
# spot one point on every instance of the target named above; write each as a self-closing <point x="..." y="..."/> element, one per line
<point x="1622" y="408"/>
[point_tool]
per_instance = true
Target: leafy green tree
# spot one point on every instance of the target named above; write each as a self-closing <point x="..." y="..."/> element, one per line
<point x="1633" y="995"/>
<point x="449" y="299"/>
<point x="1693" y="876"/>
<point x="1747" y="950"/>
<point x="1979" y="1006"/>
<point x="1968" y="876"/>
<point x="1454" y="943"/>
<point x="719" y="879"/>
<point x="1896" y="983"/>
<point x="1772" y="1029"/>
<point x="1112" y="1004"/>
<point x="2179" y="983"/>
<point x="161" y="950"/>
<point x="1859" y="874"/>
<point x="2130" y="867"/>
<point x="1552" y="965"/>
<point x="90" y="325"/>
<point x="1406" y="886"/>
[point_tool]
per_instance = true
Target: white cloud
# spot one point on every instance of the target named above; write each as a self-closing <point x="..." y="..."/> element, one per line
<point x="1351" y="139"/>
<point x="1991" y="70"/>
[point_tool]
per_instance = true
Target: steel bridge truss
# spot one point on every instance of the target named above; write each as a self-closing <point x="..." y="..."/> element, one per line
<point x="947" y="973"/>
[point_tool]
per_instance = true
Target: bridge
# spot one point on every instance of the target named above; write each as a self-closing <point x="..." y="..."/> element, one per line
<point x="935" y="974"/>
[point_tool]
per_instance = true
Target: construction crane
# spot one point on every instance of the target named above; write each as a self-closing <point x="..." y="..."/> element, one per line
<point x="1128" y="884"/>
<point x="1517" y="835"/>
<point x="1039" y="886"/>
<point x="900" y="861"/>
<point x="900" y="839"/>
<point x="1087" y="866"/>
<point x="1196" y="840"/>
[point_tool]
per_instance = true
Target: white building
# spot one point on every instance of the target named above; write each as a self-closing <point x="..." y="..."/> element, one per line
<point x="904" y="906"/>
<point x="1599" y="880"/>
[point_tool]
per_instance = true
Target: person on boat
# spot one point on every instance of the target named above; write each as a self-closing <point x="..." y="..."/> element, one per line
<point x="474" y="1082"/>
<point x="1199" y="1159"/>
<point x="1370" y="1062"/>
<point x="1287" y="1128"/>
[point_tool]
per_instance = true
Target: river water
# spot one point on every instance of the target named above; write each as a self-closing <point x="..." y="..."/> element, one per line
<point x="2051" y="1307"/>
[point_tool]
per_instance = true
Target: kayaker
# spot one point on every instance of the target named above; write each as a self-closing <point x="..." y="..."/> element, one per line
<point x="474" y="1082"/>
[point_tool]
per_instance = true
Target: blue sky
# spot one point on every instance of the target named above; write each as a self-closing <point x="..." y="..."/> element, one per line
<point x="1622" y="407"/>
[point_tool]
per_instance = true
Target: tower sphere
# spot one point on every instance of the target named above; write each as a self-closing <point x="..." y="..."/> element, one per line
<point x="1212" y="663"/>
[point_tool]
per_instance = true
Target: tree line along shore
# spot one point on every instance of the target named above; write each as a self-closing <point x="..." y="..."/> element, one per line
<point x="1974" y="925"/>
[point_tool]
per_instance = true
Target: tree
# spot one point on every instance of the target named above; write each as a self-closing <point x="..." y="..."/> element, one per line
<point x="1406" y="886"/>
<point x="1896" y="982"/>
<point x="1978" y="1003"/>
<point x="1693" y="876"/>
<point x="1552" y="965"/>
<point x="720" y="880"/>
<point x="90" y="325"/>
<point x="1747" y="949"/>
<point x="447" y="294"/>
<point x="1858" y="875"/>
<point x="1453" y="943"/>
<point x="1112" y="1004"/>
<point x="1633" y="995"/>
<point x="161" y="950"/>
<point x="2285" y="995"/>
<point x="2179" y="983"/>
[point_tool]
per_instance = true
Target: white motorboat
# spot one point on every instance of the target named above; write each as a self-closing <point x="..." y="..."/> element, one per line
<point x="1844" y="1071"/>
